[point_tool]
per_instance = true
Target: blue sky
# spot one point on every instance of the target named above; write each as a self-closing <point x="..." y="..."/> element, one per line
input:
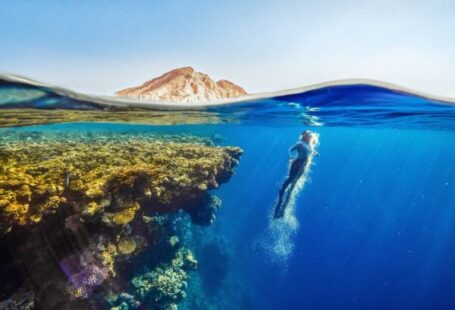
<point x="102" y="46"/>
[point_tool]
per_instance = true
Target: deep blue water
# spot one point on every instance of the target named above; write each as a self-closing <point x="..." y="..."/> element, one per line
<point x="376" y="219"/>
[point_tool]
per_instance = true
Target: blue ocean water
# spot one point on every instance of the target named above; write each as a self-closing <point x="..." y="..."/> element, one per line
<point x="372" y="228"/>
<point x="375" y="221"/>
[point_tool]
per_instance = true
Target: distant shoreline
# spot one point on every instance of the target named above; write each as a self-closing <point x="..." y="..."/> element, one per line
<point x="126" y="102"/>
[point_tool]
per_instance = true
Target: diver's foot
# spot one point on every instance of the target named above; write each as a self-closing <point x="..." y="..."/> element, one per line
<point x="277" y="207"/>
<point x="278" y="212"/>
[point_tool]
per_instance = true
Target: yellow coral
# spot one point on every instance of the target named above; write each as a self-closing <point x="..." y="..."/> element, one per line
<point x="108" y="258"/>
<point x="35" y="218"/>
<point x="126" y="245"/>
<point x="92" y="208"/>
<point x="76" y="292"/>
<point x="94" y="192"/>
<point x="125" y="216"/>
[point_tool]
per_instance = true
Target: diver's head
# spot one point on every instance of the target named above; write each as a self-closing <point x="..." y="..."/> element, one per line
<point x="305" y="136"/>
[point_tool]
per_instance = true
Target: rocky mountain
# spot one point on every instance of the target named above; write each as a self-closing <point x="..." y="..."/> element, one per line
<point x="183" y="85"/>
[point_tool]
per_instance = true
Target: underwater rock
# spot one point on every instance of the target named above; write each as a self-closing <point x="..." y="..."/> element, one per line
<point x="203" y="212"/>
<point x="73" y="223"/>
<point x="21" y="300"/>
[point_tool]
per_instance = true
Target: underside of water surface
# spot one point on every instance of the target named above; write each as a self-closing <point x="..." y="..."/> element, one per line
<point x="117" y="206"/>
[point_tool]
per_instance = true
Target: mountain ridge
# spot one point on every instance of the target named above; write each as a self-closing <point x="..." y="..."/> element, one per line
<point x="184" y="85"/>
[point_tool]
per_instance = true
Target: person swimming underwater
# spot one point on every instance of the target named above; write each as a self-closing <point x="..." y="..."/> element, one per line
<point x="299" y="166"/>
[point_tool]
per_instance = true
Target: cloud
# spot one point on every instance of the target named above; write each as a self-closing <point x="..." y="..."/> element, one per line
<point x="426" y="70"/>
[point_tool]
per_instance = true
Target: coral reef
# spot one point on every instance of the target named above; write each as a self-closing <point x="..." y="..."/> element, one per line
<point x="112" y="178"/>
<point x="28" y="117"/>
<point x="164" y="286"/>
<point x="78" y="212"/>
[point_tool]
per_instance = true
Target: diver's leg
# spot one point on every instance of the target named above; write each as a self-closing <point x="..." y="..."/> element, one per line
<point x="278" y="207"/>
<point x="285" y="186"/>
<point x="293" y="176"/>
<point x="293" y="183"/>
<point x="286" y="200"/>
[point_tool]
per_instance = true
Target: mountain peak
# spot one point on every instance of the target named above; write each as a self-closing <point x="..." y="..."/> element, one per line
<point x="183" y="85"/>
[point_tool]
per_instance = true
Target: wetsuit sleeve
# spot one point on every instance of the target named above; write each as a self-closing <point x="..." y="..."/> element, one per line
<point x="292" y="149"/>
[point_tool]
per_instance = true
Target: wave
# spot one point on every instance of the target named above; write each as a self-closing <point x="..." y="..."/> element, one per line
<point x="6" y="78"/>
<point x="337" y="103"/>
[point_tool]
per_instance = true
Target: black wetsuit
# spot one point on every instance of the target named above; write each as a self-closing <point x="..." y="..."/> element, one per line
<point x="295" y="171"/>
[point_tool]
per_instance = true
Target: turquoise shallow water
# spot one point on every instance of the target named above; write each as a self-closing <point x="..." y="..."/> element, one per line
<point x="373" y="227"/>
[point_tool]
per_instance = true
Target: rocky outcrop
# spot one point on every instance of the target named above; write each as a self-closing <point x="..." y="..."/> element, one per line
<point x="183" y="85"/>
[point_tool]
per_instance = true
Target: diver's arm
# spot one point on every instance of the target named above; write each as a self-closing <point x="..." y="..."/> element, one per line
<point x="292" y="149"/>
<point x="312" y="150"/>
